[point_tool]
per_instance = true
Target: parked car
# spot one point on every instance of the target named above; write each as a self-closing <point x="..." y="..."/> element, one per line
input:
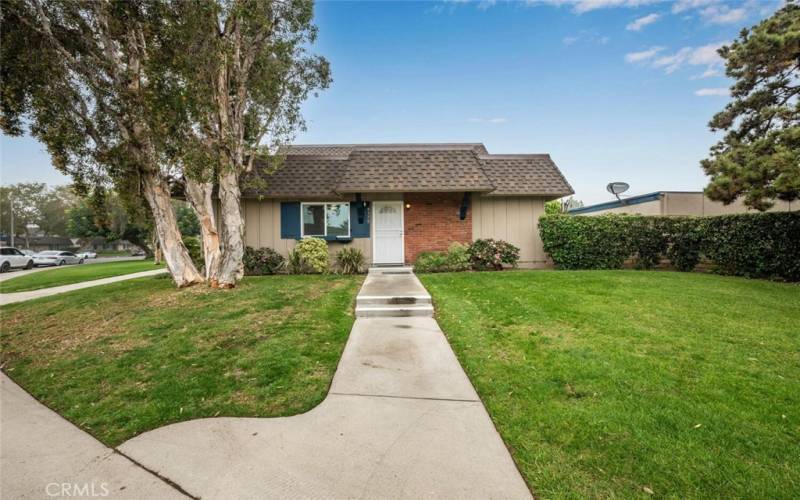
<point x="10" y="258"/>
<point x="137" y="253"/>
<point x="87" y="254"/>
<point x="56" y="258"/>
<point x="29" y="253"/>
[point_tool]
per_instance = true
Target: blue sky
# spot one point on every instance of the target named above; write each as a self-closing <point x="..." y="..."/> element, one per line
<point x="614" y="90"/>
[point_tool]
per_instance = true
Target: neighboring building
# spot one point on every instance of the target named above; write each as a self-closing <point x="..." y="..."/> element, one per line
<point x="38" y="243"/>
<point x="394" y="201"/>
<point x="674" y="203"/>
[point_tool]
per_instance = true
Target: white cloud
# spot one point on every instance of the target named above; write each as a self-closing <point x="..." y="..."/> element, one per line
<point x="709" y="73"/>
<point x="645" y="55"/>
<point x="486" y="4"/>
<point x="715" y="91"/>
<point x="693" y="56"/>
<point x="582" y="6"/>
<point x="585" y="36"/>
<point x="684" y="5"/>
<point x="640" y="23"/>
<point x="722" y="14"/>
<point x="495" y="120"/>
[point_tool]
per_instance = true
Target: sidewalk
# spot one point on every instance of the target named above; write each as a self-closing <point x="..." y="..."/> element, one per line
<point x="11" y="298"/>
<point x="41" y="454"/>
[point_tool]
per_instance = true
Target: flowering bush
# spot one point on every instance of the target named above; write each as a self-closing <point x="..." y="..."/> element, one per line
<point x="260" y="261"/>
<point x="492" y="254"/>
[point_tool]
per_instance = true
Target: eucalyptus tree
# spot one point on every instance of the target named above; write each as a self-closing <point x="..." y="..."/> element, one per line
<point x="243" y="69"/>
<point x="82" y="77"/>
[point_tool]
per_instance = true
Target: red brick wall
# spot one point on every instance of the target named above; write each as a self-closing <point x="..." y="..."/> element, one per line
<point x="432" y="223"/>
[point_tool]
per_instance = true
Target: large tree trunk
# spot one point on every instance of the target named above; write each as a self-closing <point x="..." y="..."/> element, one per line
<point x="232" y="265"/>
<point x="199" y="196"/>
<point x="169" y="236"/>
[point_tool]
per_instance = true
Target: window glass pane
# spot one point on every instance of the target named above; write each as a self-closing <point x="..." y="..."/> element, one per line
<point x="313" y="220"/>
<point x="339" y="219"/>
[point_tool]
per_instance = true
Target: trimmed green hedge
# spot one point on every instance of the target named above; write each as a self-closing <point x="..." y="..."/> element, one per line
<point x="765" y="245"/>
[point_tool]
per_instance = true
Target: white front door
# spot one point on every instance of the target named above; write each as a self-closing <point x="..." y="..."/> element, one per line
<point x="388" y="222"/>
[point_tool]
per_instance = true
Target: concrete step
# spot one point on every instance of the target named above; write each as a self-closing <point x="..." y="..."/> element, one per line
<point x="393" y="300"/>
<point x="391" y="270"/>
<point x="397" y="311"/>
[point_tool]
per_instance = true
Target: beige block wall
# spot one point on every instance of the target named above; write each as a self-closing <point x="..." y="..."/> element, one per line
<point x="647" y="208"/>
<point x="678" y="203"/>
<point x="514" y="219"/>
<point x="262" y="228"/>
<point x="698" y="204"/>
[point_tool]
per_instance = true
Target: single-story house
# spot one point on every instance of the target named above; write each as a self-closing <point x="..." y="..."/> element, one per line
<point x="674" y="203"/>
<point x="394" y="201"/>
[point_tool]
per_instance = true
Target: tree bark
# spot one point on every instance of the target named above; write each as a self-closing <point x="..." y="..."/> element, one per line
<point x="199" y="196"/>
<point x="232" y="265"/>
<point x="169" y="236"/>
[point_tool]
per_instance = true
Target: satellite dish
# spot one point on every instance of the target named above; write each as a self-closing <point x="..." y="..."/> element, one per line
<point x="617" y="188"/>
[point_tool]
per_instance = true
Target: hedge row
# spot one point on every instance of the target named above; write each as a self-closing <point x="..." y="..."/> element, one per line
<point x="764" y="245"/>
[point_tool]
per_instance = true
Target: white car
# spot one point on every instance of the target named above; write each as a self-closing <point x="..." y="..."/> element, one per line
<point x="56" y="258"/>
<point x="87" y="254"/>
<point x="10" y="258"/>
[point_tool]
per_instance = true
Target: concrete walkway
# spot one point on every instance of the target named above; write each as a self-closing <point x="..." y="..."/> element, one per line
<point x="401" y="421"/>
<point x="11" y="298"/>
<point x="42" y="456"/>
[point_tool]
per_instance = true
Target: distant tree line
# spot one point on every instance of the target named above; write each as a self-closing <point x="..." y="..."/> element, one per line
<point x="60" y="211"/>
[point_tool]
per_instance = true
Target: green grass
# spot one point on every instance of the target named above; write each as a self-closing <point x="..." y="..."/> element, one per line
<point x="611" y="383"/>
<point x="68" y="275"/>
<point x="121" y="359"/>
<point x="114" y="253"/>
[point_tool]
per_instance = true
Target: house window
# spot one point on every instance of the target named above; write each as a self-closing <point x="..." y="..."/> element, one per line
<point x="326" y="220"/>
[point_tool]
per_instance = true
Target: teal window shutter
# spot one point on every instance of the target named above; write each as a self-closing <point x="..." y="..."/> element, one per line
<point x="359" y="219"/>
<point x="290" y="220"/>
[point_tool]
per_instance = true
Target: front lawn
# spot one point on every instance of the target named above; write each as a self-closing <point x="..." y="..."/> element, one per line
<point x="631" y="383"/>
<point x="121" y="359"/>
<point x="68" y="275"/>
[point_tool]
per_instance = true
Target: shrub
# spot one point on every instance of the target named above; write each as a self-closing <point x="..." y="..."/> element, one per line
<point x="295" y="263"/>
<point x="761" y="245"/>
<point x="260" y="261"/>
<point x="648" y="240"/>
<point x="585" y="242"/>
<point x="430" y="262"/>
<point x="195" y="249"/>
<point x="492" y="254"/>
<point x="350" y="260"/>
<point x="310" y="256"/>
<point x="686" y="241"/>
<point x="457" y="257"/>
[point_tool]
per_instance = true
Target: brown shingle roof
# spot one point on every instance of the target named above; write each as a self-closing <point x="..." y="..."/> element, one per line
<point x="325" y="171"/>
<point x="525" y="175"/>
<point x="300" y="176"/>
<point x="376" y="170"/>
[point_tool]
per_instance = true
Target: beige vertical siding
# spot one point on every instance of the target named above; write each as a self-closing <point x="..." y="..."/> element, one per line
<point x="262" y="228"/>
<point x="514" y="219"/>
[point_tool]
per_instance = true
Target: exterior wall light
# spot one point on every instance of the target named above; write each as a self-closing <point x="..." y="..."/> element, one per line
<point x="408" y="205"/>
